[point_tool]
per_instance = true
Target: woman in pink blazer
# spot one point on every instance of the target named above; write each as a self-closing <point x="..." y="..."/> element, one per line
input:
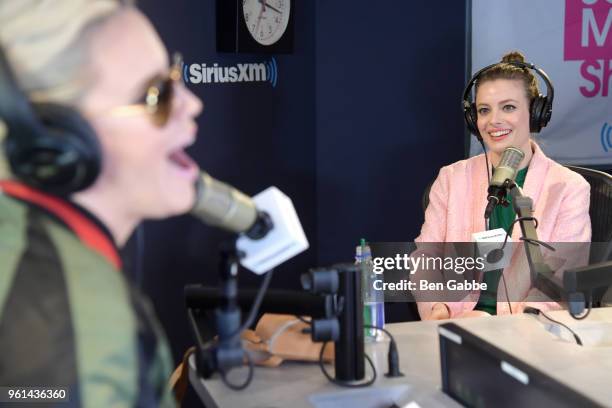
<point x="458" y="197"/>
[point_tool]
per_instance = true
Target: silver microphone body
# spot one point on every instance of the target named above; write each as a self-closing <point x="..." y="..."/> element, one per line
<point x="506" y="170"/>
<point x="220" y="205"/>
<point x="508" y="166"/>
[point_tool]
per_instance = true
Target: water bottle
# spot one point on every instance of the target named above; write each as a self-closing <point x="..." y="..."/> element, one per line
<point x="373" y="300"/>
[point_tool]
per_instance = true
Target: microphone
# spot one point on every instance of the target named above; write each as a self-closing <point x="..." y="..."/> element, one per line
<point x="506" y="170"/>
<point x="220" y="205"/>
<point x="269" y="228"/>
<point x="261" y="246"/>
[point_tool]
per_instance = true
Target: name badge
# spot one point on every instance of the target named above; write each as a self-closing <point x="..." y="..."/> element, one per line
<point x="489" y="246"/>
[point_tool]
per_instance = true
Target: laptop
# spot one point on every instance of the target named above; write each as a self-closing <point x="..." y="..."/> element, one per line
<point x="475" y="373"/>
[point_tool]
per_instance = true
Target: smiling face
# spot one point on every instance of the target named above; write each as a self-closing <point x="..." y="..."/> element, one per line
<point x="145" y="168"/>
<point x="503" y="117"/>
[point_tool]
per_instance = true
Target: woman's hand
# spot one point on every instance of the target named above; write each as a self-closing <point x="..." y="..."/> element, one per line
<point x="439" y="311"/>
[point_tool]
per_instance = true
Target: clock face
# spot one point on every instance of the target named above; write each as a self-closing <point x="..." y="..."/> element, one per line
<point x="266" y="20"/>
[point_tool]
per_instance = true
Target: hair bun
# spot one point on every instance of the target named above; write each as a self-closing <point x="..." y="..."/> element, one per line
<point x="513" y="56"/>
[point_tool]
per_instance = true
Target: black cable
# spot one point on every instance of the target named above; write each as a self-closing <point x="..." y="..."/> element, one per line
<point x="511" y="227"/>
<point x="305" y="330"/>
<point x="530" y="240"/>
<point x="506" y="290"/>
<point x="576" y="337"/>
<point x="502" y="248"/>
<point x="484" y="149"/>
<point x="303" y="320"/>
<point x="517" y="219"/>
<point x="344" y="383"/>
<point x="503" y="278"/>
<point x="538" y="242"/>
<point x="256" y="304"/>
<point x="535" y="311"/>
<point x="392" y="354"/>
<point x="248" y="380"/>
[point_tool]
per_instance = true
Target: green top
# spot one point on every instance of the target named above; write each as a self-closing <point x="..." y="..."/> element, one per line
<point x="502" y="217"/>
<point x="68" y="317"/>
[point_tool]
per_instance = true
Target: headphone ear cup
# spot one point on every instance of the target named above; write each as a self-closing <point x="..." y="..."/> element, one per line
<point x="546" y="112"/>
<point x="537" y="115"/>
<point x="471" y="119"/>
<point x="65" y="159"/>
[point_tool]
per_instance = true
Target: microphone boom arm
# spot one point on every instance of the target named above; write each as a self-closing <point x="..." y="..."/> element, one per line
<point x="576" y="281"/>
<point x="542" y="276"/>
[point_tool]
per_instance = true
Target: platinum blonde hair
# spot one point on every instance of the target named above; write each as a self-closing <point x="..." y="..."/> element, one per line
<point x="47" y="44"/>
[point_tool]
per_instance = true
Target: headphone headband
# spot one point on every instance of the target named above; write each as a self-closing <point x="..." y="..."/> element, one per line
<point x="16" y="112"/>
<point x="540" y="109"/>
<point x="550" y="90"/>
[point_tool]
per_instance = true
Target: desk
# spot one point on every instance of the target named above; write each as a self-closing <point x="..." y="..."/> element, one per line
<point x="587" y="369"/>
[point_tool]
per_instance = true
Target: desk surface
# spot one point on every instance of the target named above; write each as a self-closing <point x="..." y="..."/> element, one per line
<point x="587" y="369"/>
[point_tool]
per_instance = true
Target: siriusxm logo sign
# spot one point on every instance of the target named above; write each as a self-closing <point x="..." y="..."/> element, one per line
<point x="606" y="137"/>
<point x="213" y="74"/>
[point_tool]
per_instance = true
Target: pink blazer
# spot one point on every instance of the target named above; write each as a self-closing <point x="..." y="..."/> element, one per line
<point x="457" y="201"/>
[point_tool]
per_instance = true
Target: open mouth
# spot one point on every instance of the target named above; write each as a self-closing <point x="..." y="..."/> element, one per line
<point x="181" y="159"/>
<point x="182" y="162"/>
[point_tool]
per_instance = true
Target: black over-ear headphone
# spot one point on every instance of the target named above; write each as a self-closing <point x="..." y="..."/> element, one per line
<point x="49" y="146"/>
<point x="540" y="109"/>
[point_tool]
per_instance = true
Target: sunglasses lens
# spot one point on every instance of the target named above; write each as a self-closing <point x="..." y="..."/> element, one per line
<point x="164" y="102"/>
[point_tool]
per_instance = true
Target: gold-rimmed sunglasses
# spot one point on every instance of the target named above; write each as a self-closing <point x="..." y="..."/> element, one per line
<point x="158" y="98"/>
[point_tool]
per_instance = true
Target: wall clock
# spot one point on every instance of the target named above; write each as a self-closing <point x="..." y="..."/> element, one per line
<point x="257" y="26"/>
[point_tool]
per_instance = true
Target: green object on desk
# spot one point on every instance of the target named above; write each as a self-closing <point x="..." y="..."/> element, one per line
<point x="502" y="217"/>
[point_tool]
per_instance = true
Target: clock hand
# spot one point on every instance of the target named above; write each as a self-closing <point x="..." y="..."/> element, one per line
<point x="263" y="8"/>
<point x="263" y="2"/>
<point x="275" y="9"/>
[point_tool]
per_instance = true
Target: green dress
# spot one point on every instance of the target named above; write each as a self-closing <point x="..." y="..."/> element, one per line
<point x="502" y="217"/>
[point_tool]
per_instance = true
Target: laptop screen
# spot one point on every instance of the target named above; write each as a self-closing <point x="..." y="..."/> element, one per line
<point x="477" y="374"/>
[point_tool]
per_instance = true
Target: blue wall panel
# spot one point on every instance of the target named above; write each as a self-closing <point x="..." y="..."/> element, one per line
<point x="365" y="112"/>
